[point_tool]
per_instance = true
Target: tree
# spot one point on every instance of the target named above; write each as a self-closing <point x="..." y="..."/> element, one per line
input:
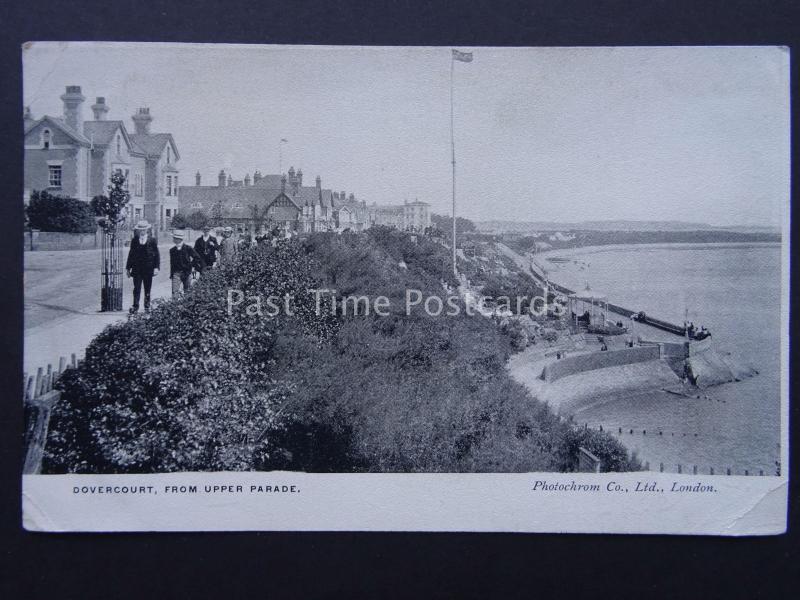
<point x="111" y="210"/>
<point x="445" y="224"/>
<point x="179" y="221"/>
<point x="258" y="216"/>
<point x="217" y="214"/>
<point x="197" y="220"/>
<point x="48" y="212"/>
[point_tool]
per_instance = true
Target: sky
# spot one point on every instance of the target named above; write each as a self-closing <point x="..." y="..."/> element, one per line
<point x="541" y="134"/>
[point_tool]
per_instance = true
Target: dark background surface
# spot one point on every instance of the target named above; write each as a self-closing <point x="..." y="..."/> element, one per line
<point x="360" y="564"/>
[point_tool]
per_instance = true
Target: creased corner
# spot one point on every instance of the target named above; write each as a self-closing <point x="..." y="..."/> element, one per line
<point x="765" y="516"/>
<point x="33" y="517"/>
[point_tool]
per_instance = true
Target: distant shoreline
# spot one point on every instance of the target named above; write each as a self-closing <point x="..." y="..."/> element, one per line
<point x="595" y="249"/>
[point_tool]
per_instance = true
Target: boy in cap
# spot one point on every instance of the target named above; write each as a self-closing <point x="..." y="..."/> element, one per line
<point x="182" y="259"/>
<point x="143" y="263"/>
<point x="206" y="246"/>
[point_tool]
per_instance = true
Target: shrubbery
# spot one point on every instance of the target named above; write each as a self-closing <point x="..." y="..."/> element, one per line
<point x="179" y="222"/>
<point x="48" y="212"/>
<point x="193" y="388"/>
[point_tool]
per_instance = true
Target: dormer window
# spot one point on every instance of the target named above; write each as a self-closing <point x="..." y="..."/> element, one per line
<point x="46" y="139"/>
<point x="197" y="205"/>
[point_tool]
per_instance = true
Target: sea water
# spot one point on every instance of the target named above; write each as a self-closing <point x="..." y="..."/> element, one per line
<point x="735" y="291"/>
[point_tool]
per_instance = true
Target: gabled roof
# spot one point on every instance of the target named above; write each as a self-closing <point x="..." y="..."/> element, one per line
<point x="101" y="133"/>
<point x="244" y="197"/>
<point x="59" y="124"/>
<point x="153" y="144"/>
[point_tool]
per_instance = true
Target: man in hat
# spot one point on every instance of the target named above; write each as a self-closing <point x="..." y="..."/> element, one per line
<point x="207" y="246"/>
<point x="227" y="247"/>
<point x="143" y="263"/>
<point x="182" y="259"/>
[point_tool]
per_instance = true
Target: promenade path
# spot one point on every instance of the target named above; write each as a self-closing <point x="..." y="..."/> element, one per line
<point x="62" y="303"/>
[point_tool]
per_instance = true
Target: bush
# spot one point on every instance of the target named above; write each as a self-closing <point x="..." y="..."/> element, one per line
<point x="197" y="220"/>
<point x="179" y="222"/>
<point x="48" y="212"/>
<point x="193" y="388"/>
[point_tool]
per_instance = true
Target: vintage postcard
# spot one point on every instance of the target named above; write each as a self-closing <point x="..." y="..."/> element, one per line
<point x="406" y="288"/>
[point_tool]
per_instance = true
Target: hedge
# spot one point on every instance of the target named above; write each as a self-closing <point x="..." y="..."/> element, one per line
<point x="48" y="212"/>
<point x="190" y="387"/>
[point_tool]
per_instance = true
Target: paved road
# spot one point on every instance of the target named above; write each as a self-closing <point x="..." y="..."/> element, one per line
<point x="62" y="303"/>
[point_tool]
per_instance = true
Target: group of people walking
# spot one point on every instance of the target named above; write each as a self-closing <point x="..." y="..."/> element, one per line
<point x="185" y="261"/>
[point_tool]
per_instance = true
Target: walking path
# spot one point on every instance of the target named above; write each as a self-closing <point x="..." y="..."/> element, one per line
<point x="62" y="303"/>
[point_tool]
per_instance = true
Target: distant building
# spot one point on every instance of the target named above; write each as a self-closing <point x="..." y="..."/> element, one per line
<point x="409" y="216"/>
<point x="68" y="156"/>
<point x="267" y="201"/>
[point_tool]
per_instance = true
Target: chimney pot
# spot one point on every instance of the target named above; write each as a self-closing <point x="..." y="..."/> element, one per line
<point x="221" y="178"/>
<point x="197" y="179"/>
<point x="141" y="120"/>
<point x="100" y="108"/>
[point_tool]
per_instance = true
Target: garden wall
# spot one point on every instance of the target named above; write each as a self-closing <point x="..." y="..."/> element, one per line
<point x="599" y="360"/>
<point x="58" y="240"/>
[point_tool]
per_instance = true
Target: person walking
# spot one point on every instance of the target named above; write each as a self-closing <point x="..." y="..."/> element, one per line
<point x="227" y="246"/>
<point x="182" y="259"/>
<point x="144" y="261"/>
<point x="207" y="246"/>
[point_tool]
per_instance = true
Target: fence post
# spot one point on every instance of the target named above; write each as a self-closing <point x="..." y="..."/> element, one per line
<point x="37" y="421"/>
<point x="587" y="462"/>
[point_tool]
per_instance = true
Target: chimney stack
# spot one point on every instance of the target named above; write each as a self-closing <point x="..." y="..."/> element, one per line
<point x="319" y="182"/>
<point x="299" y="177"/>
<point x="221" y="178"/>
<point x="197" y="179"/>
<point x="27" y="116"/>
<point x="256" y="177"/>
<point x="247" y="180"/>
<point x="230" y="179"/>
<point x="141" y="120"/>
<point x="100" y="108"/>
<point x="73" y="105"/>
<point x="283" y="184"/>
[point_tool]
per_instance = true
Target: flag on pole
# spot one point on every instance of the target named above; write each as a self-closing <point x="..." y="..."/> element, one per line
<point x="462" y="56"/>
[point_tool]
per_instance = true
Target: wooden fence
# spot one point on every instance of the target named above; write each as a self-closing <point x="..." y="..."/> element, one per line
<point x="39" y="398"/>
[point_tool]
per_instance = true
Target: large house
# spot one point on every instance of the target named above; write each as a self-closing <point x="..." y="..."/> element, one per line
<point x="409" y="216"/>
<point x="68" y="156"/>
<point x="267" y="201"/>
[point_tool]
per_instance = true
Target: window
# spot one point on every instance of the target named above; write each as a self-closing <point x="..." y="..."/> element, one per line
<point x="138" y="184"/>
<point x="169" y="185"/>
<point x="118" y="145"/>
<point x="197" y="205"/>
<point x="175" y="183"/>
<point x="46" y="139"/>
<point x="138" y="213"/>
<point x="168" y="212"/>
<point x="169" y="155"/>
<point x="54" y="172"/>
<point x="127" y="177"/>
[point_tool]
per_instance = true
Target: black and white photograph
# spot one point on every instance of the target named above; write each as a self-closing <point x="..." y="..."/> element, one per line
<point x="279" y="287"/>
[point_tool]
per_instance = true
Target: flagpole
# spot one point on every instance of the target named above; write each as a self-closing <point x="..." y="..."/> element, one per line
<point x="453" y="155"/>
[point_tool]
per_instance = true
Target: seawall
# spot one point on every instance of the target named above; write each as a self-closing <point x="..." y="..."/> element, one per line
<point x="599" y="360"/>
